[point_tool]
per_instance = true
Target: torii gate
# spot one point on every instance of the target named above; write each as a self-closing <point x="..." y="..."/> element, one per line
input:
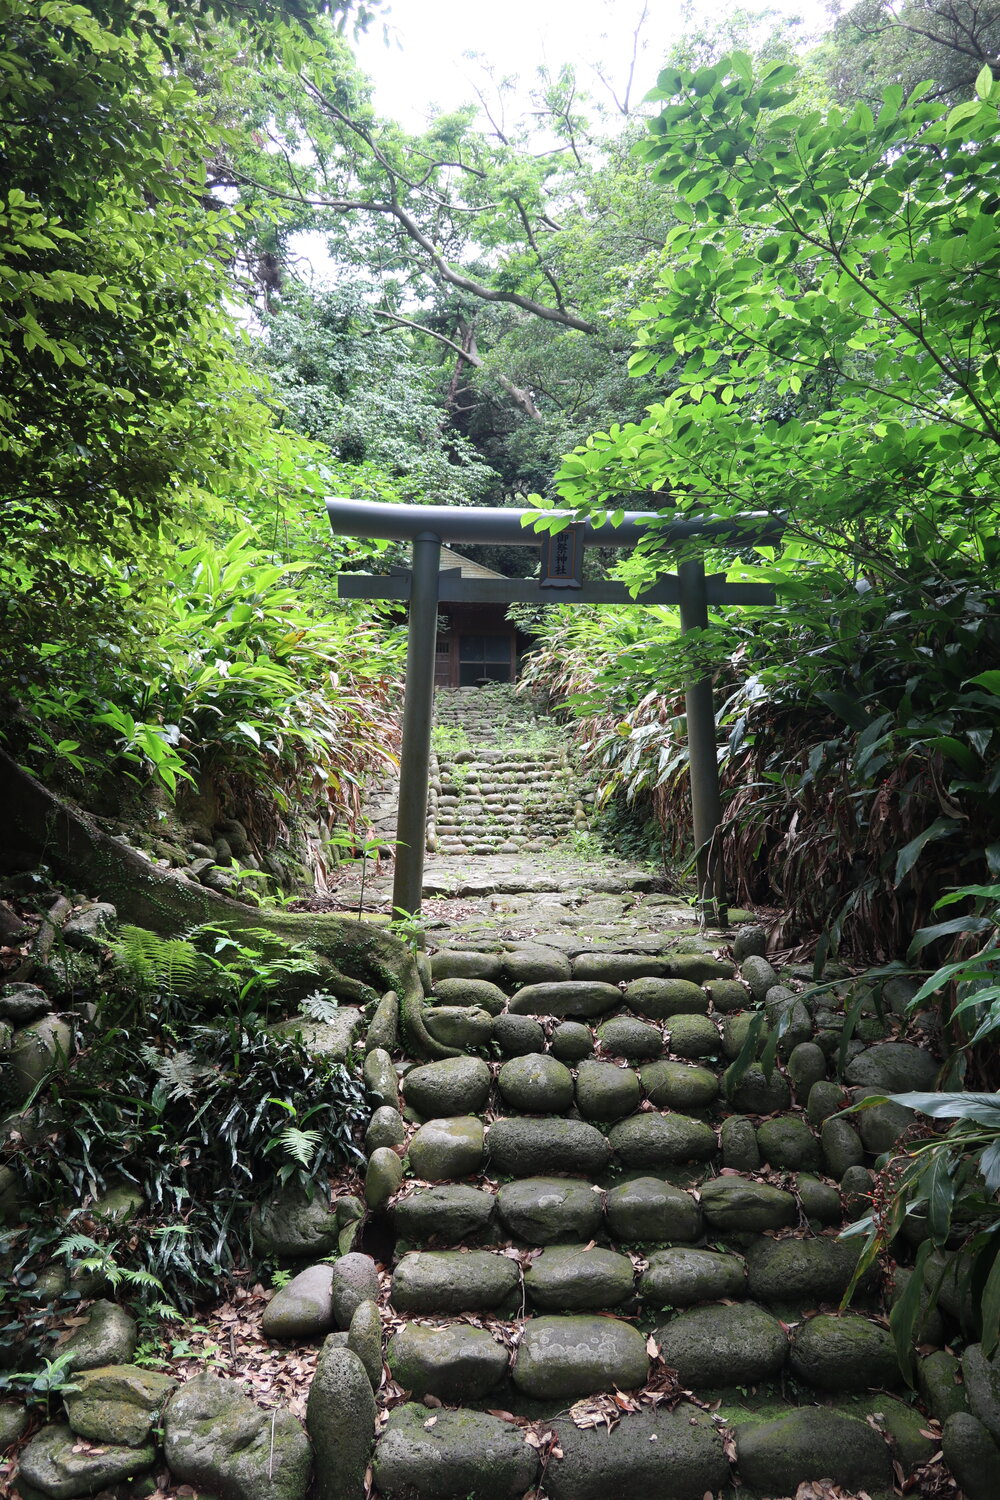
<point x="428" y="526"/>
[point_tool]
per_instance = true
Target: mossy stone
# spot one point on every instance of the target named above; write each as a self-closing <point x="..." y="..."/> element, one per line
<point x="446" y="1148"/>
<point x="447" y="1281"/>
<point x="385" y="1128"/>
<point x="569" y="1278"/>
<point x="738" y="1140"/>
<point x="699" y="968"/>
<point x="355" y="1280"/>
<point x="456" y="1363"/>
<point x="825" y="1098"/>
<point x="735" y="1030"/>
<point x="573" y="998"/>
<point x="537" y="1084"/>
<point x="453" y="1213"/>
<point x="660" y="998"/>
<point x="813" y="1442"/>
<point x="844" y="1354"/>
<point x="806" y="1067"/>
<point x="756" y="1094"/>
<point x="682" y="1276"/>
<point x="549" y="1210"/>
<point x="733" y="1203"/>
<point x="810" y="1270"/>
<point x="108" y="1337"/>
<point x="653" y="1140"/>
<point x="565" y="1357"/>
<point x="650" y="1211"/>
<point x="459" y="1025"/>
<point x="383" y="1029"/>
<point x="340" y="1420"/>
<point x="55" y="1463"/>
<point x="842" y="1146"/>
<point x="893" y="1068"/>
<point x="939" y="1376"/>
<point x="672" y="1455"/>
<point x="364" y="1338"/>
<point x="820" y="1200"/>
<point x="517" y="1036"/>
<point x="727" y="995"/>
<point x="479" y="993"/>
<point x="383" y="1177"/>
<point x="459" y="963"/>
<point x="535" y="963"/>
<point x="881" y="1125"/>
<point x="788" y="1144"/>
<point x="856" y="1187"/>
<point x="454" y="1086"/>
<point x="971" y="1455"/>
<point x="116" y="1404"/>
<point x="461" y="1454"/>
<point x="902" y="1424"/>
<point x="379" y="1076"/>
<point x="678" y="1085"/>
<point x="758" y="974"/>
<point x="530" y="1148"/>
<point x="749" y="940"/>
<point x="617" y="968"/>
<point x="571" y="1041"/>
<point x="693" y="1036"/>
<point x="625" y="1036"/>
<point x="982" y="1387"/>
<point x="723" y="1346"/>
<point x="303" y="1309"/>
<point x="606" y="1092"/>
<point x="216" y="1439"/>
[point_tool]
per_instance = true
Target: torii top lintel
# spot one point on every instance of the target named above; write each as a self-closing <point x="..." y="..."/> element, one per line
<point x="470" y="524"/>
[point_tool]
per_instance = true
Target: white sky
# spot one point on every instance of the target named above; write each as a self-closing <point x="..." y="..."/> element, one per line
<point x="423" y="65"/>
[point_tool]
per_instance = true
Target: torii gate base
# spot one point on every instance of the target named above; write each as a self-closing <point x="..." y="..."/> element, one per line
<point x="427" y="526"/>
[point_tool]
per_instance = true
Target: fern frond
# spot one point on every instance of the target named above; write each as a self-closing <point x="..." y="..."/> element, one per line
<point x="319" y="1007"/>
<point x="300" y="1145"/>
<point x="168" y="964"/>
<point x="177" y="1071"/>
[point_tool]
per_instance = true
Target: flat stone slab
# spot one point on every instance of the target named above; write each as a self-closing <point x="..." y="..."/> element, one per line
<point x="453" y="1213"/>
<point x="454" y="1086"/>
<point x="570" y="1278"/>
<point x="579" y="1356"/>
<point x="567" y="998"/>
<point x="649" y="1210"/>
<point x="614" y="968"/>
<point x="443" y="1455"/>
<point x="723" y="1346"/>
<point x="446" y="1281"/>
<point x="456" y="1363"/>
<point x="536" y="1083"/>
<point x="652" y="1140"/>
<point x="549" y="1210"/>
<point x="682" y="1276"/>
<point x="529" y="1148"/>
<point x="669" y="1455"/>
<point x="447" y="1148"/>
<point x="325" y="1038"/>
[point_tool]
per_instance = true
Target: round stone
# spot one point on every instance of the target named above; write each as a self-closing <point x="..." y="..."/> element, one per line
<point x="699" y="967"/>
<point x="457" y="1363"/>
<point x="568" y="1278"/>
<point x="733" y="1203"/>
<point x="605" y="1091"/>
<point x="447" y="1148"/>
<point x="659" y="998"/>
<point x="547" y="1210"/>
<point x="383" y="1177"/>
<point x="453" y="1213"/>
<point x="528" y="1148"/>
<point x="459" y="1026"/>
<point x="738" y="1140"/>
<point x="788" y="1144"/>
<point x="758" y="974"/>
<point x="842" y="1146"/>
<point x="459" y="964"/>
<point x="728" y="995"/>
<point x="461" y="1453"/>
<point x="537" y="1084"/>
<point x="893" y="1068"/>
<point x="756" y="1094"/>
<point x="776" y="1457"/>
<point x="380" y="1077"/>
<point x="652" y="1140"/>
<point x="824" y="1099"/>
<point x="811" y="1270"/>
<point x="820" y="1200"/>
<point x="624" y="1036"/>
<point x="476" y="992"/>
<point x="806" y="1067"/>
<point x="681" y="1276"/>
<point x="516" y="1036"/>
<point x="563" y="1358"/>
<point x="650" y="1211"/>
<point x="455" y="1086"/>
<point x="534" y="963"/>
<point x="723" y="1346"/>
<point x="677" y="1085"/>
<point x="693" y="1036"/>
<point x="571" y="1041"/>
<point x="448" y="1281"/>
<point x="385" y="1128"/>
<point x="675" y="1455"/>
<point x="844" y="1354"/>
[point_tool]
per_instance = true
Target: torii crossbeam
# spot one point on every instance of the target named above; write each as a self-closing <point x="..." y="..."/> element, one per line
<point x="428" y="526"/>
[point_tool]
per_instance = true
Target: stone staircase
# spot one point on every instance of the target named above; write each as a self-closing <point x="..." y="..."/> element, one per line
<point x="604" y="1276"/>
<point x="501" y="779"/>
